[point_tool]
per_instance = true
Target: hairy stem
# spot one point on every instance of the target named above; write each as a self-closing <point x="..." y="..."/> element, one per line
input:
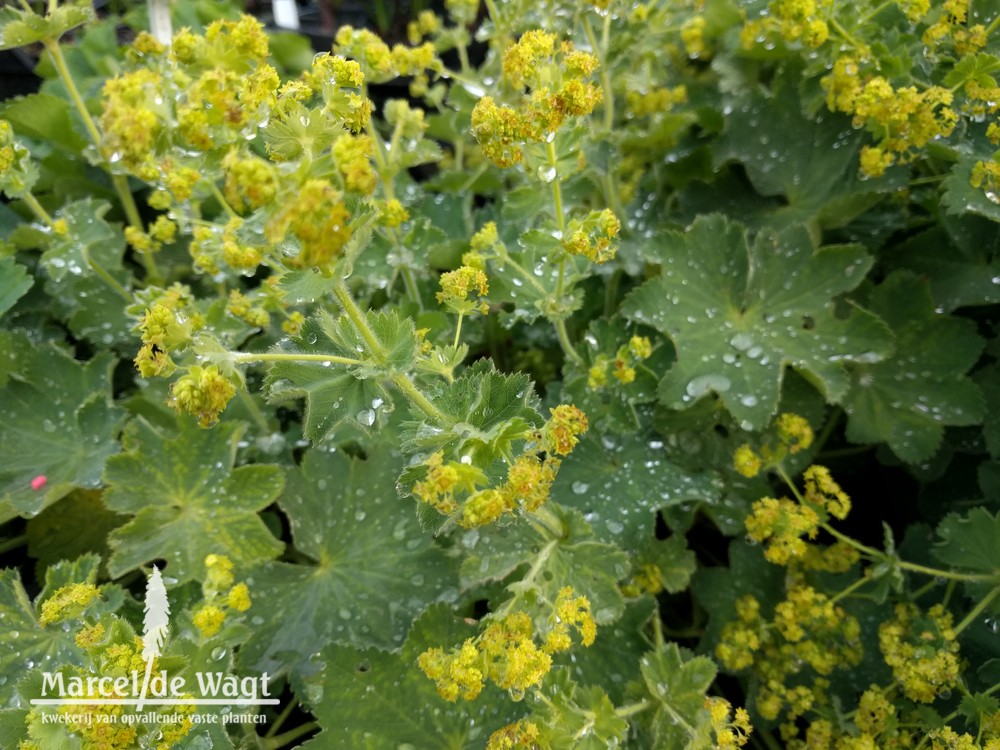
<point x="243" y="357"/>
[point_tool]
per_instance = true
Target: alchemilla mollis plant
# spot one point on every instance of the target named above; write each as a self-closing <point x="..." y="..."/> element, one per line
<point x="565" y="374"/>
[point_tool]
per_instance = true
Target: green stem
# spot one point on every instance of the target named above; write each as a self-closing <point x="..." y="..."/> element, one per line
<point x="550" y="153"/>
<point x="849" y="590"/>
<point x="244" y="357"/>
<point x="567" y="346"/>
<point x="409" y="282"/>
<point x="418" y="399"/>
<point x="37" y="209"/>
<point x="821" y="439"/>
<point x="282" y="717"/>
<point x="357" y="317"/>
<point x="611" y="292"/>
<point x="43" y="215"/>
<point x="274" y="743"/>
<point x="108" y="279"/>
<point x="844" y="33"/>
<point x="255" y="412"/>
<point x="504" y="256"/>
<point x="458" y="330"/>
<point x="13" y="543"/>
<point x="74" y="93"/>
<point x="993" y="25"/>
<point x="977" y="610"/>
<point x="377" y="351"/>
<point x="223" y="202"/>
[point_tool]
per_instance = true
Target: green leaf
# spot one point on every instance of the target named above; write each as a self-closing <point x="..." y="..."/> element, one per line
<point x="24" y="643"/>
<point x="337" y="393"/>
<point x="78" y="523"/>
<point x="574" y="558"/>
<point x="620" y="482"/>
<point x="957" y="277"/>
<point x="678" y="684"/>
<point x="91" y="308"/>
<point x="739" y="313"/>
<point x="488" y="410"/>
<point x="14" y="283"/>
<point x="19" y="28"/>
<point x="972" y="68"/>
<point x="989" y="381"/>
<point x="908" y="399"/>
<point x="581" y="717"/>
<point x="816" y="171"/>
<point x="974" y="706"/>
<point x="46" y="118"/>
<point x="57" y="421"/>
<point x="380" y="701"/>
<point x="970" y="543"/>
<point x="334" y="394"/>
<point x="717" y="588"/>
<point x="373" y="570"/>
<point x="187" y="500"/>
<point x="959" y="196"/>
<point x="609" y="661"/>
<point x="616" y="407"/>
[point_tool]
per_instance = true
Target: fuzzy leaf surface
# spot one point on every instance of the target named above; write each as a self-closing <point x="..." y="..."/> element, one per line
<point x="372" y="572"/>
<point x="739" y="313"/>
<point x="187" y="500"/>
<point x="380" y="701"/>
<point x="908" y="399"/>
<point x="971" y="543"/>
<point x="575" y="558"/>
<point x="619" y="483"/>
<point x="57" y="420"/>
<point x="24" y="642"/>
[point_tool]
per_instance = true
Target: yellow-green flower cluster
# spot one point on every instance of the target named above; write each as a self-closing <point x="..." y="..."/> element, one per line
<point x="647" y="578"/>
<point x="443" y="480"/>
<point x="623" y="366"/>
<point x="822" y="491"/>
<point x="221" y="596"/>
<point x="99" y="725"/>
<point x="555" y="79"/>
<point x="951" y="28"/>
<point x="352" y="154"/>
<point x="457" y="285"/>
<point x="922" y="651"/>
<point x="316" y="216"/>
<point x="131" y="118"/>
<point x="202" y="392"/>
<point x="67" y="602"/>
<point x="529" y="481"/>
<point x="592" y="236"/>
<point x="521" y="735"/>
<point x="393" y="214"/>
<point x="251" y="182"/>
<point x="808" y="631"/>
<point x="165" y="326"/>
<point x="731" y="728"/>
<point x="561" y="433"/>
<point x="904" y="118"/>
<point x="17" y="171"/>
<point x="793" y="434"/>
<point x="780" y="524"/>
<point x="378" y="62"/>
<point x="241" y="306"/>
<point x="642" y="104"/>
<point x="568" y="612"/>
<point x="506" y="652"/>
<point x="794" y="21"/>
